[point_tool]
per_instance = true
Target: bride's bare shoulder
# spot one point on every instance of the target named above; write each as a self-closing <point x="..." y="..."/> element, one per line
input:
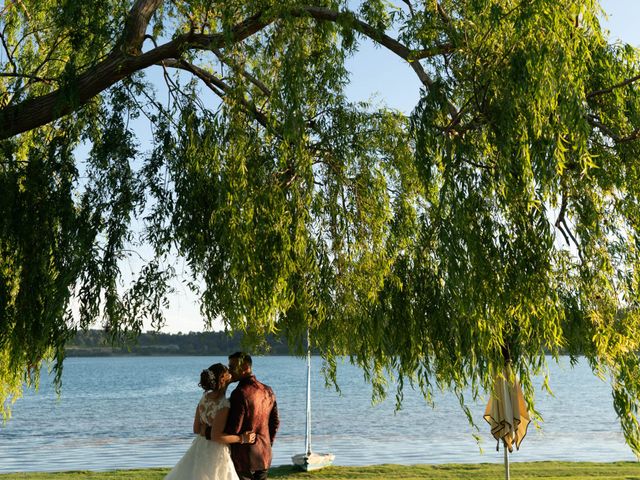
<point x="214" y="397"/>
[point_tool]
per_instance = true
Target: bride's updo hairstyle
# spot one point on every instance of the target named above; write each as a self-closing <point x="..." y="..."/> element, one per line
<point x="209" y="378"/>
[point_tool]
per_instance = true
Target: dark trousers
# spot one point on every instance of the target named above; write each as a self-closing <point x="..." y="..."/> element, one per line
<point x="255" y="475"/>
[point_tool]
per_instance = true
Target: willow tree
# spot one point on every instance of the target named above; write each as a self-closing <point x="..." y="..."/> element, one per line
<point x="498" y="221"/>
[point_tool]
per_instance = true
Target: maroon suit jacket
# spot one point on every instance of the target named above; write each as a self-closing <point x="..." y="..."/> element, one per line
<point x="253" y="408"/>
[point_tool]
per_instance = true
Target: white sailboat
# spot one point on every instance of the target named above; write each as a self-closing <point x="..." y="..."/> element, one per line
<point x="310" y="461"/>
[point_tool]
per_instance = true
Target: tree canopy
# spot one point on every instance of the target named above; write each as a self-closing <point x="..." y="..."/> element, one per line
<point x="498" y="221"/>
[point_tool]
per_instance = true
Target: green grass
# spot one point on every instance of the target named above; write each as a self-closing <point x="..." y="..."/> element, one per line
<point x="482" y="471"/>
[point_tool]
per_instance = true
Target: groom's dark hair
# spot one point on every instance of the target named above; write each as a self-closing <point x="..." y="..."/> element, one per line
<point x="243" y="358"/>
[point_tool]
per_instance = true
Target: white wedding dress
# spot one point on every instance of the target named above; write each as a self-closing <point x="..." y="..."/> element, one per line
<point x="206" y="459"/>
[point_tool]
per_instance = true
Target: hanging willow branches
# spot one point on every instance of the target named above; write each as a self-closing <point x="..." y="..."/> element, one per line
<point x="498" y="220"/>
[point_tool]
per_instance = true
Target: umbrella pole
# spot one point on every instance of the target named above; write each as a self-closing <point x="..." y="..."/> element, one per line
<point x="307" y="433"/>
<point x="507" y="476"/>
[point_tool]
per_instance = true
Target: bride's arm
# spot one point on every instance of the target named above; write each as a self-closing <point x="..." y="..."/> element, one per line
<point x="217" y="430"/>
<point x="196" y="421"/>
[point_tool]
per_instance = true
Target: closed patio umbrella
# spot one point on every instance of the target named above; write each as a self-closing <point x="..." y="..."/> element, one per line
<point x="507" y="415"/>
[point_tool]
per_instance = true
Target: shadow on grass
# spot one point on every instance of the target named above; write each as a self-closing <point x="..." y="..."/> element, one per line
<point x="283" y="471"/>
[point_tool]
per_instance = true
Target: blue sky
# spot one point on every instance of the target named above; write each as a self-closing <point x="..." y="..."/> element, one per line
<point x="380" y="76"/>
<point x="401" y="87"/>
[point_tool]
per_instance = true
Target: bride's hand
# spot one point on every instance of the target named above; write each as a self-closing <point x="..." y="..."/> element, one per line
<point x="248" y="437"/>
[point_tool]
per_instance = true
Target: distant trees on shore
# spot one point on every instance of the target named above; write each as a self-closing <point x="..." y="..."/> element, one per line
<point x="96" y="343"/>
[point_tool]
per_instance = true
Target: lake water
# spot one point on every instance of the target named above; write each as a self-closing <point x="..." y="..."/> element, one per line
<point x="130" y="412"/>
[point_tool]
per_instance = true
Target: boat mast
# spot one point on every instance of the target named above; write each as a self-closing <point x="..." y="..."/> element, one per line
<point x="307" y="433"/>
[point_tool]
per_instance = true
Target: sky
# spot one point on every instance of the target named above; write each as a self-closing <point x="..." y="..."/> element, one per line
<point x="374" y="71"/>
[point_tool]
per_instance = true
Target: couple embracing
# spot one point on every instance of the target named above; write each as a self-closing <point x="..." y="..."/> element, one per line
<point x="247" y="422"/>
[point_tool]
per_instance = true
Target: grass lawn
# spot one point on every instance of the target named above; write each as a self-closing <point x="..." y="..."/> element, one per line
<point x="483" y="471"/>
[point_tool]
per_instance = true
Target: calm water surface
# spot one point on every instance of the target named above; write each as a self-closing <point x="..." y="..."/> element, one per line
<point x="130" y="412"/>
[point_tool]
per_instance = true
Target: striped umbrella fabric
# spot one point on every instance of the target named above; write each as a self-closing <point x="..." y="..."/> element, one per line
<point x="507" y="415"/>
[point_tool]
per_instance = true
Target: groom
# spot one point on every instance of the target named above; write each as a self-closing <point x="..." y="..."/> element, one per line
<point x="253" y="408"/>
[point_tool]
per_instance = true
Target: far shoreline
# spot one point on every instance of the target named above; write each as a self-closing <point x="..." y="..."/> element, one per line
<point x="97" y="343"/>
<point x="165" y="355"/>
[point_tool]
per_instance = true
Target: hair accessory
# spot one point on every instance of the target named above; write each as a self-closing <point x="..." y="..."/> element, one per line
<point x="213" y="381"/>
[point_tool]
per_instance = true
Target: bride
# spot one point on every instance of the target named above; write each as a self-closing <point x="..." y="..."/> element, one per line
<point x="207" y="460"/>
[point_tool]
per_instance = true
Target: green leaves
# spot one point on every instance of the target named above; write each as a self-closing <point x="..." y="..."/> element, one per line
<point x="497" y="222"/>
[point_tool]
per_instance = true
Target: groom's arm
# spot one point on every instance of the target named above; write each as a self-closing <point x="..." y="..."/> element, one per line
<point x="274" y="422"/>
<point x="237" y="412"/>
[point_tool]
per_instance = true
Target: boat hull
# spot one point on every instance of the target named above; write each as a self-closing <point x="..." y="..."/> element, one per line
<point x="313" y="461"/>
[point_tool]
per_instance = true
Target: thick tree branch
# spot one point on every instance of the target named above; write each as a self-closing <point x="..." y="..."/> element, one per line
<point x="222" y="89"/>
<point x="411" y="11"/>
<point x="136" y="25"/>
<point x="233" y="65"/>
<point x="213" y="82"/>
<point x="35" y="112"/>
<point x="39" y="111"/>
<point x="6" y="7"/>
<point x="218" y="87"/>
<point x="320" y="13"/>
<point x="624" y="83"/>
<point x="443" y="15"/>
<point x="433" y="51"/>
<point x="593" y="120"/>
